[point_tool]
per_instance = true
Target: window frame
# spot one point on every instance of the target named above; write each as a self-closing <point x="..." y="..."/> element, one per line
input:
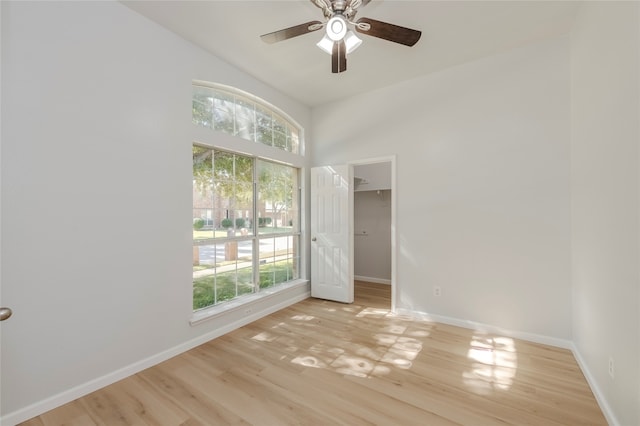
<point x="217" y="140"/>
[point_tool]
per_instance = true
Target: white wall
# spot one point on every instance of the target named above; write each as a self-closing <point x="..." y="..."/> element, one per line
<point x="605" y="200"/>
<point x="374" y="176"/>
<point x="482" y="185"/>
<point x="372" y="236"/>
<point x="96" y="196"/>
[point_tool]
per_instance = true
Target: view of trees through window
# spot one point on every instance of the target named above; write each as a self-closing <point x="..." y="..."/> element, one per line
<point x="243" y="117"/>
<point x="245" y="225"/>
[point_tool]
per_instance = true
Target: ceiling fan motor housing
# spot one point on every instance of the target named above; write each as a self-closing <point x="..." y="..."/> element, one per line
<point x="339" y="5"/>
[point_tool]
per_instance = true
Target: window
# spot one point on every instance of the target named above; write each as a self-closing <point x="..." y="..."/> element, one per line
<point x="246" y="208"/>
<point x="245" y="116"/>
<point x="245" y="225"/>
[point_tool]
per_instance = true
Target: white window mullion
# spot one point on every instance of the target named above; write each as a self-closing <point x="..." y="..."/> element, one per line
<point x="256" y="240"/>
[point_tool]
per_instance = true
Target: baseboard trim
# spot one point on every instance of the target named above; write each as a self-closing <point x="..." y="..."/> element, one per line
<point x="76" y="392"/>
<point x="372" y="279"/>
<point x="487" y="328"/>
<point x="593" y="384"/>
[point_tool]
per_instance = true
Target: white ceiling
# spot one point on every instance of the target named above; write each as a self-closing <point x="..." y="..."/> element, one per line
<point x="453" y="32"/>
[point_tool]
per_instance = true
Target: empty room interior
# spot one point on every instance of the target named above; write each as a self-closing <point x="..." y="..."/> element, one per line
<point x="433" y="220"/>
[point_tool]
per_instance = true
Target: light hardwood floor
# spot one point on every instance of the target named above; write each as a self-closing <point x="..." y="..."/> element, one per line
<point x="324" y="363"/>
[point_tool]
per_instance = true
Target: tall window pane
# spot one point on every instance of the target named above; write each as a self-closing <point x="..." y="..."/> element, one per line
<point x="278" y="204"/>
<point x="223" y="266"/>
<point x="233" y="185"/>
<point x="203" y="226"/>
<point x="277" y="198"/>
<point x="226" y="210"/>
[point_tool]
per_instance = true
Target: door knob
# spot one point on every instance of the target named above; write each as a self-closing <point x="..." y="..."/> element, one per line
<point x="313" y="239"/>
<point x="5" y="313"/>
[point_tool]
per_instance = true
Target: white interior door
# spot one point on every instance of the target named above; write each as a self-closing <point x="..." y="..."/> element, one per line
<point x="332" y="233"/>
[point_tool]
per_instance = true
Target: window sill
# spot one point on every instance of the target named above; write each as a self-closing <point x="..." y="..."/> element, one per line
<point x="243" y="302"/>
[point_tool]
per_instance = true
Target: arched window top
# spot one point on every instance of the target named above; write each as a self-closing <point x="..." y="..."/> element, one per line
<point x="233" y="111"/>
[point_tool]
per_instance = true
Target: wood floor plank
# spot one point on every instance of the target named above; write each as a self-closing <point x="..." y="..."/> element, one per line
<point x="72" y="414"/>
<point x="180" y="385"/>
<point x="324" y="363"/>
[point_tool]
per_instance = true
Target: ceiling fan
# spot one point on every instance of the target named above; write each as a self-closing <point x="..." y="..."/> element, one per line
<point x="339" y="40"/>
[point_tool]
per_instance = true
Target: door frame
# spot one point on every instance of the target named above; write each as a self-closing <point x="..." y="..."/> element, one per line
<point x="388" y="159"/>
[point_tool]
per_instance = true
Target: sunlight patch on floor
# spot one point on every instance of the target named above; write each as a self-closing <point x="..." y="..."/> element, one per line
<point x="395" y="329"/>
<point x="393" y="346"/>
<point x="494" y="364"/>
<point x="303" y="317"/>
<point x="373" y="312"/>
<point x="264" y="337"/>
<point x="353" y="365"/>
<point x="309" y="361"/>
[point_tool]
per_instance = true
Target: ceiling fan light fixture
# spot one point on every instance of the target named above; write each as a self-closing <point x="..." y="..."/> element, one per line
<point x="325" y="44"/>
<point x="336" y="28"/>
<point x="351" y="41"/>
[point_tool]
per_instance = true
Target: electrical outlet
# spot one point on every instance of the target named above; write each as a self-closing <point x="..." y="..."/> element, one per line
<point x="247" y="311"/>
<point x="437" y="291"/>
<point x="611" y="368"/>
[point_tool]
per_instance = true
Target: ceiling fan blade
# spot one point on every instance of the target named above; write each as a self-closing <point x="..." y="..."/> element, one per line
<point x="291" y="32"/>
<point x="387" y="31"/>
<point x="339" y="57"/>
